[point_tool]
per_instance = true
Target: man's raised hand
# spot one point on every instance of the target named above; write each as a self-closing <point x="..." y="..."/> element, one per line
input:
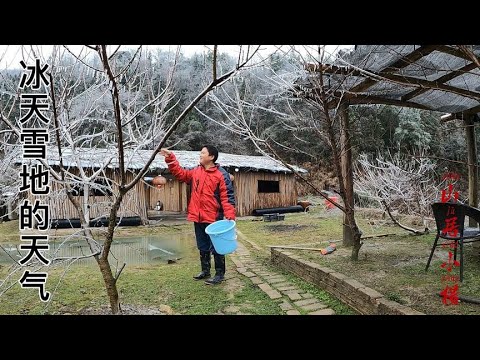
<point x="165" y="152"/>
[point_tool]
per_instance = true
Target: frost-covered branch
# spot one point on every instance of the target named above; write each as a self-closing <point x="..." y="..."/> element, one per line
<point x="404" y="184"/>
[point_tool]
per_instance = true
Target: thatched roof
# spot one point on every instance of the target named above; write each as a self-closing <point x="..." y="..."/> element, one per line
<point x="96" y="158"/>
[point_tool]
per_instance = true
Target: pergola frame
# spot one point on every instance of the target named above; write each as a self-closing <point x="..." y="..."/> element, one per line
<point x="358" y="94"/>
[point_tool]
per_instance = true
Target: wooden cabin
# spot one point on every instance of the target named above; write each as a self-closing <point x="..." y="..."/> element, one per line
<point x="259" y="182"/>
<point x="133" y="204"/>
<point x="101" y="189"/>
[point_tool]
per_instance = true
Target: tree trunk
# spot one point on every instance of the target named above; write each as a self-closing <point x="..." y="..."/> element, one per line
<point x="347" y="232"/>
<point x="347" y="175"/>
<point x="472" y="167"/>
<point x="108" y="278"/>
<point x="472" y="171"/>
<point x="110" y="284"/>
<point x="356" y="243"/>
<point x="351" y="232"/>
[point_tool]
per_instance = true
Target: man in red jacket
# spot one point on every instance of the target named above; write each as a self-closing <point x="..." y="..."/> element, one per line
<point x="211" y="199"/>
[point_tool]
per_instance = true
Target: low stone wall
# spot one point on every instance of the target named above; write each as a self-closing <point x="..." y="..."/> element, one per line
<point x="365" y="300"/>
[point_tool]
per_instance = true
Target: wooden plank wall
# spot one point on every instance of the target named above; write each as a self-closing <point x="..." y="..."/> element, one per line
<point x="247" y="196"/>
<point x="134" y="203"/>
<point x="173" y="195"/>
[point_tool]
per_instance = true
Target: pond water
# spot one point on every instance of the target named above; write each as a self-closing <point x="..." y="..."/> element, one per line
<point x="132" y="250"/>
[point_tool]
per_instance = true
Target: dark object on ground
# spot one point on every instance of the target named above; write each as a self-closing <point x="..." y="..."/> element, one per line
<point x="75" y="223"/>
<point x="273" y="217"/>
<point x="305" y="204"/>
<point x="278" y="210"/>
<point x="464" y="298"/>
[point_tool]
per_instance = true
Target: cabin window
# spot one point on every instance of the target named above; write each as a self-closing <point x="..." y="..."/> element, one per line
<point x="267" y="186"/>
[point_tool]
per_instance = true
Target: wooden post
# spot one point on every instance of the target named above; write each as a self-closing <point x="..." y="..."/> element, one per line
<point x="472" y="166"/>
<point x="347" y="171"/>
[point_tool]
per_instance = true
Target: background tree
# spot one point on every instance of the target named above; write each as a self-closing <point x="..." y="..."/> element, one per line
<point x="398" y="182"/>
<point x="305" y="110"/>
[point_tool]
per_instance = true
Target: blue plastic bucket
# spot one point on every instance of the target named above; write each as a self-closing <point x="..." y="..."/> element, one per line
<point x="223" y="236"/>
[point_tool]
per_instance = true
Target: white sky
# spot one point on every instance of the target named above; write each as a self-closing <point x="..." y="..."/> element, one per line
<point x="10" y="55"/>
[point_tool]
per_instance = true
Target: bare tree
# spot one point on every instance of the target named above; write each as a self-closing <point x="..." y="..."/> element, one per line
<point x="398" y="183"/>
<point x="307" y="109"/>
<point x="114" y="102"/>
<point x="328" y="88"/>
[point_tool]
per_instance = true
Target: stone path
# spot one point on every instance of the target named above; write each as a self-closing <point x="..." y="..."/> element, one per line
<point x="289" y="298"/>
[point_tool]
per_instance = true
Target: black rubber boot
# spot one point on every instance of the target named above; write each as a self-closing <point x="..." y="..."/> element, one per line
<point x="219" y="270"/>
<point x="205" y="263"/>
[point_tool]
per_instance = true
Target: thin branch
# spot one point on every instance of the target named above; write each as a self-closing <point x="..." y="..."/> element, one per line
<point x="319" y="192"/>
<point x="175" y="124"/>
<point x="83" y="62"/>
<point x="396" y="222"/>
<point x="113" y="54"/>
<point x="214" y="62"/>
<point x="129" y="63"/>
<point x="117" y="275"/>
<point x="116" y="103"/>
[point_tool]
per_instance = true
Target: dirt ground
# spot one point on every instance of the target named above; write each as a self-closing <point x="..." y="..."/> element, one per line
<point x="128" y="309"/>
<point x="395" y="266"/>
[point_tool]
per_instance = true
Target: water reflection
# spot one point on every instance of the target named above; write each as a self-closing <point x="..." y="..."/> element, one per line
<point x="132" y="250"/>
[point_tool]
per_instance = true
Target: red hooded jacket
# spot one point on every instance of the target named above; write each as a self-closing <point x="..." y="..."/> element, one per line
<point x="212" y="193"/>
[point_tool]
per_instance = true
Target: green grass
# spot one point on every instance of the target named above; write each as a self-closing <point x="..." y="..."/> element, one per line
<point x="395" y="266"/>
<point x="81" y="287"/>
<point x="296" y="228"/>
<point x="9" y="231"/>
<point x="173" y="285"/>
<point x="305" y="228"/>
<point x="149" y="285"/>
<point x="392" y="265"/>
<point x="395" y="297"/>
